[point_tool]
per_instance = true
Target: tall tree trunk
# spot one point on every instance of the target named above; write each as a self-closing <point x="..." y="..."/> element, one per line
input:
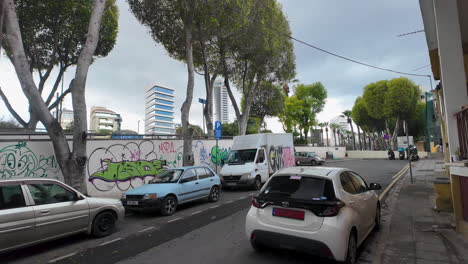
<point x="328" y="142"/>
<point x="2" y="16"/>
<point x="352" y="132"/>
<point x="185" y="110"/>
<point x="359" y="137"/>
<point x="395" y="134"/>
<point x="209" y="82"/>
<point x="71" y="164"/>
<point x="334" y="135"/>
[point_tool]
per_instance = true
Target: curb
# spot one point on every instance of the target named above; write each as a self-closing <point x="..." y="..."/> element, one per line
<point x="396" y="178"/>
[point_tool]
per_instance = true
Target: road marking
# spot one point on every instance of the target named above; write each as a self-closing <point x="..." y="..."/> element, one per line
<point x="243" y="197"/>
<point x="229" y="202"/>
<point x="398" y="174"/>
<point x="62" y="257"/>
<point x="395" y="180"/>
<point x="146" y="229"/>
<point x="173" y="220"/>
<point x="111" y="241"/>
<point x="197" y="212"/>
<point x="214" y="206"/>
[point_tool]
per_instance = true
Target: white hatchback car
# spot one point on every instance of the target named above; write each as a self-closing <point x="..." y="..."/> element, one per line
<point x="323" y="211"/>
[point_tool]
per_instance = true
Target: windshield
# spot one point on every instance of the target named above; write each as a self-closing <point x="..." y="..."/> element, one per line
<point x="169" y="176"/>
<point x="241" y="156"/>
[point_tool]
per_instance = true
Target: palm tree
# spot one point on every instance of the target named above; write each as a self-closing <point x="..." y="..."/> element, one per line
<point x="321" y="125"/>
<point x="347" y="114"/>
<point x="335" y="128"/>
<point x="326" y="132"/>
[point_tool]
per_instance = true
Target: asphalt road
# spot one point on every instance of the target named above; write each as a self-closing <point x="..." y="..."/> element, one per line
<point x="199" y="232"/>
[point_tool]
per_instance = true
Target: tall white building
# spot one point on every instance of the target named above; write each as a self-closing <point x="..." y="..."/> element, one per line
<point x="221" y="102"/>
<point x="102" y="118"/>
<point x="159" y="118"/>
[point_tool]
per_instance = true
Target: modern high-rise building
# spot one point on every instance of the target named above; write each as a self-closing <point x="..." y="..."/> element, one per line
<point x="102" y="118"/>
<point x="159" y="118"/>
<point x="221" y="102"/>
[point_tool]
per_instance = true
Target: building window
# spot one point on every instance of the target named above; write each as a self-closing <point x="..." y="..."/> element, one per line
<point x="164" y="124"/>
<point x="164" y="118"/>
<point x="164" y="90"/>
<point x="166" y="130"/>
<point x="164" y="107"/>
<point x="163" y="113"/>
<point x="164" y="101"/>
<point x="164" y="96"/>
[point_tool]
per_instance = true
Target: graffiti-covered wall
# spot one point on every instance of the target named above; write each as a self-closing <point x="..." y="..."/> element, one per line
<point x="113" y="166"/>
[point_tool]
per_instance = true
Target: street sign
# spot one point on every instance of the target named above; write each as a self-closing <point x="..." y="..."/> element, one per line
<point x="201" y="100"/>
<point x="218" y="129"/>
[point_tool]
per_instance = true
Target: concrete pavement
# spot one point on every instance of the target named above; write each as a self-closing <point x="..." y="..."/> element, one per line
<point x="415" y="233"/>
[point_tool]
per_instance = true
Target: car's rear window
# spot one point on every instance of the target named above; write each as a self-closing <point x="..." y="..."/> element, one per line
<point x="299" y="187"/>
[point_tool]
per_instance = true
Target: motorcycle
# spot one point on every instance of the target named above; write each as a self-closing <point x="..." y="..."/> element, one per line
<point x="401" y="153"/>
<point x="391" y="154"/>
<point x="413" y="153"/>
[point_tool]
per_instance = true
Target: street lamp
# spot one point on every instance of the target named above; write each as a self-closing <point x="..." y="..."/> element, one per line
<point x="138" y="129"/>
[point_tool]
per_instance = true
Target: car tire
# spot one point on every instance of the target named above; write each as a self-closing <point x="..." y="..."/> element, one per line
<point x="103" y="224"/>
<point x="257" y="184"/>
<point x="351" y="253"/>
<point x="377" y="218"/>
<point x="257" y="246"/>
<point x="168" y="206"/>
<point x="313" y="162"/>
<point x="214" y="194"/>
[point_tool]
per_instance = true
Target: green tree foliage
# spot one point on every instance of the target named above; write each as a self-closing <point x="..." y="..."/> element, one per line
<point x="301" y="109"/>
<point x="197" y="131"/>
<point x="9" y="124"/>
<point x="54" y="33"/>
<point x="374" y="98"/>
<point x="268" y="102"/>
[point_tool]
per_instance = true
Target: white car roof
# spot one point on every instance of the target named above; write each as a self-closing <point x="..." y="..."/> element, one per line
<point x="327" y="172"/>
<point x="27" y="180"/>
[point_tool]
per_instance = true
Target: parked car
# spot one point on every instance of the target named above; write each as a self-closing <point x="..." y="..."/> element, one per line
<point x="324" y="211"/>
<point x="308" y="158"/>
<point x="37" y="210"/>
<point x="173" y="187"/>
<point x="254" y="158"/>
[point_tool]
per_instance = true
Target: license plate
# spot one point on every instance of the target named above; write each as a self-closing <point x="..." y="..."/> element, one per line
<point x="231" y="184"/>
<point x="288" y="213"/>
<point x="132" y="202"/>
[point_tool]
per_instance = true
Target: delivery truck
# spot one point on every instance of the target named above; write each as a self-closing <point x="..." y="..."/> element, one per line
<point x="254" y="158"/>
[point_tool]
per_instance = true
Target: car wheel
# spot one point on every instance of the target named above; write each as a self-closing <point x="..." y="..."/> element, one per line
<point x="314" y="162"/>
<point x="256" y="245"/>
<point x="377" y="217"/>
<point x="214" y="194"/>
<point x="351" y="255"/>
<point x="169" y="206"/>
<point x="103" y="224"/>
<point x="257" y="183"/>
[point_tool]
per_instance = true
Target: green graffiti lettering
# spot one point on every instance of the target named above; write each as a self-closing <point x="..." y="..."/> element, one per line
<point x="127" y="170"/>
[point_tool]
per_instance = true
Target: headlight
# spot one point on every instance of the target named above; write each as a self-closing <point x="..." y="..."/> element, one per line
<point x="150" y="196"/>
<point x="124" y="196"/>
<point x="246" y="175"/>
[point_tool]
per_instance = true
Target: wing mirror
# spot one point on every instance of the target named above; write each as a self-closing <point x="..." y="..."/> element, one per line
<point x="374" y="186"/>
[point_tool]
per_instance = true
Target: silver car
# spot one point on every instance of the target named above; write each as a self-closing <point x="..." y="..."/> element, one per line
<point x="37" y="210"/>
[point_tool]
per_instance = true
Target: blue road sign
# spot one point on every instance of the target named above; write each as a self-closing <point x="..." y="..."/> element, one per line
<point x="201" y="100"/>
<point x="218" y="129"/>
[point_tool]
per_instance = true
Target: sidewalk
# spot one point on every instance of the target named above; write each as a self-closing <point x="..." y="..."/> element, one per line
<point x="417" y="233"/>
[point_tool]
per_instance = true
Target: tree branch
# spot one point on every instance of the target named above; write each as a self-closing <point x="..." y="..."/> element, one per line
<point x="60" y="98"/>
<point x="56" y="84"/>
<point x="11" y="110"/>
<point x="2" y="15"/>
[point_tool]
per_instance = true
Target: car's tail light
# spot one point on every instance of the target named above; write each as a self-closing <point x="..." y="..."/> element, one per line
<point x="255" y="202"/>
<point x="331" y="210"/>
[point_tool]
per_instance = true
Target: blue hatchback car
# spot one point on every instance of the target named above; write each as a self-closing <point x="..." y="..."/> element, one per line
<point x="173" y="187"/>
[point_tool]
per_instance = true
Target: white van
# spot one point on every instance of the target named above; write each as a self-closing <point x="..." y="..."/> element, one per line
<point x="253" y="158"/>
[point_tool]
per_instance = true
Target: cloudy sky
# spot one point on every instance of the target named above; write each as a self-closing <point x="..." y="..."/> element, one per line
<point x="365" y="30"/>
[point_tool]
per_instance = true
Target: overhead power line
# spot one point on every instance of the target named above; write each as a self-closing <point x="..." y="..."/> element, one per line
<point x="337" y="55"/>
<point x="417" y="69"/>
<point x="410" y="33"/>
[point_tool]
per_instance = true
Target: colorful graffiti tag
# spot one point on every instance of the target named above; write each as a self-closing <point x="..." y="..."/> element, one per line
<point x="203" y="154"/>
<point x="123" y="166"/>
<point x="219" y="154"/>
<point x="281" y="157"/>
<point x="20" y="161"/>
